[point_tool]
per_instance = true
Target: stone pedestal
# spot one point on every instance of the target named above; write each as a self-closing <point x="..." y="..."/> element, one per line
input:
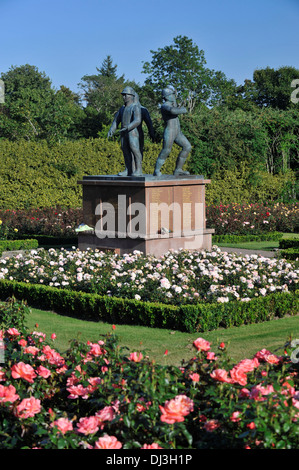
<point x="146" y="213"/>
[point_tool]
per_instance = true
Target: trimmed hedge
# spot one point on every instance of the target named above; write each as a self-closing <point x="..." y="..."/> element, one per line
<point x="289" y="248"/>
<point x="290" y="253"/>
<point x="14" y="245"/>
<point x="289" y="243"/>
<point x="186" y="318"/>
<point x="44" y="240"/>
<point x="35" y="174"/>
<point x="273" y="236"/>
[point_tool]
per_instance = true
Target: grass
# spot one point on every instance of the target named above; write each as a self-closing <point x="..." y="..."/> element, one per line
<point x="263" y="245"/>
<point x="243" y="342"/>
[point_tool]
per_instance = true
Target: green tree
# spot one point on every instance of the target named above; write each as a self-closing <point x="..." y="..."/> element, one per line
<point x="183" y="66"/>
<point x="272" y="88"/>
<point x="102" y="94"/>
<point x="222" y="140"/>
<point x="33" y="110"/>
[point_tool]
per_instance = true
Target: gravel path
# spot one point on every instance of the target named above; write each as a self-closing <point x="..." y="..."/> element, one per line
<point x="243" y="251"/>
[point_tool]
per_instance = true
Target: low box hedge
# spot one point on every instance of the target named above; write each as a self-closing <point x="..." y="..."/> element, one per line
<point x="15" y="245"/>
<point x="48" y="240"/>
<point x="187" y="318"/>
<point x="273" y="236"/>
<point x="289" y="243"/>
<point x="290" y="254"/>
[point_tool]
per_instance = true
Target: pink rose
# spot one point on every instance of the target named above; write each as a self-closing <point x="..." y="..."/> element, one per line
<point x="176" y="409"/>
<point x="194" y="377"/>
<point x="31" y="350"/>
<point x="221" y="375"/>
<point x="28" y="408"/>
<point x="106" y="414"/>
<point x="151" y="446"/>
<point x="77" y="391"/>
<point x="272" y="359"/>
<point x="24" y="371"/>
<point x="238" y="376"/>
<point x="211" y="425"/>
<point x="53" y="357"/>
<point x="248" y="365"/>
<point x="267" y="356"/>
<point x="95" y="349"/>
<point x="8" y="394"/>
<point x="135" y="357"/>
<point x="258" y="391"/>
<point x="201" y="344"/>
<point x="235" y="417"/>
<point x="43" y="372"/>
<point x="108" y="442"/>
<point x="88" y="425"/>
<point x="63" y="425"/>
<point x="211" y="356"/>
<point x="13" y="332"/>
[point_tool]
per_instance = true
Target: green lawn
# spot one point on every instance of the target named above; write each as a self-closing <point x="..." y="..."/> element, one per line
<point x="243" y="342"/>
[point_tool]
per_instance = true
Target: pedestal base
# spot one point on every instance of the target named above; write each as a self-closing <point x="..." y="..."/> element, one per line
<point x="146" y="213"/>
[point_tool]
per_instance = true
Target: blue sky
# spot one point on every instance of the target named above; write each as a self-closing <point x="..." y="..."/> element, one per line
<point x="67" y="39"/>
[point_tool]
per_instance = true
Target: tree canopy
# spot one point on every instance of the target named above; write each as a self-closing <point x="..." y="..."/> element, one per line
<point x="226" y="123"/>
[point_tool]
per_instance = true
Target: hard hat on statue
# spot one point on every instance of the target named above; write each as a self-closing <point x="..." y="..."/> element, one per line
<point x="128" y="90"/>
<point x="168" y="91"/>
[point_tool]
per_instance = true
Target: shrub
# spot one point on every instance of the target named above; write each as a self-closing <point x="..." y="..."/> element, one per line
<point x="186" y="318"/>
<point x="43" y="223"/>
<point x="176" y="278"/>
<point x="34" y="174"/>
<point x="226" y="238"/>
<point x="289" y="243"/>
<point x="290" y="253"/>
<point x="13" y="313"/>
<point x="98" y="395"/>
<point x="239" y="185"/>
<point x="252" y="219"/>
<point x="14" y="245"/>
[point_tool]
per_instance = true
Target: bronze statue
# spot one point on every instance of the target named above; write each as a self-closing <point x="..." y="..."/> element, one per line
<point x="130" y="116"/>
<point x="172" y="133"/>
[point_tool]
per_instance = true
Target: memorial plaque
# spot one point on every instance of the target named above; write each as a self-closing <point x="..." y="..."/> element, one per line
<point x="159" y="213"/>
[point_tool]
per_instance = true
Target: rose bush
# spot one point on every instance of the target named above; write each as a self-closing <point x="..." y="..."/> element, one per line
<point x="180" y="277"/>
<point x="96" y="396"/>
<point x="224" y="218"/>
<point x="53" y="221"/>
<point x="245" y="219"/>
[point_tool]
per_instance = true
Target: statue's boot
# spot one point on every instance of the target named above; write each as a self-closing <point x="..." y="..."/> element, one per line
<point x="159" y="164"/>
<point x="138" y="168"/>
<point x="123" y="173"/>
<point x="178" y="168"/>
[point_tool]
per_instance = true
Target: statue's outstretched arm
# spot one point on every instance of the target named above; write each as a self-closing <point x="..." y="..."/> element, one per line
<point x="114" y="124"/>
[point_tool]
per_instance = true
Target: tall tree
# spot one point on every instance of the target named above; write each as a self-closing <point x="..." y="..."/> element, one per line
<point x="33" y="110"/>
<point x="183" y="66"/>
<point x="272" y="88"/>
<point x="102" y="94"/>
<point x="107" y="68"/>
